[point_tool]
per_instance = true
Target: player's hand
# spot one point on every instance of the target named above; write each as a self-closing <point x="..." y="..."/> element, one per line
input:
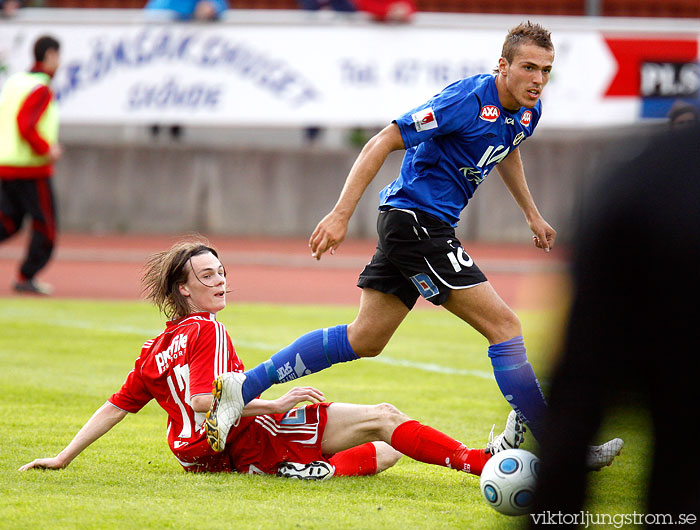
<point x="328" y="235"/>
<point x="544" y="236"/>
<point x="55" y="152"/>
<point x="297" y="395"/>
<point x="44" y="463"/>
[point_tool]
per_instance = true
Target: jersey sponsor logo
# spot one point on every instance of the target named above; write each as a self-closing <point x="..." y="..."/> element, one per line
<point x="175" y="350"/>
<point x="489" y="113"/>
<point x="425" y="285"/>
<point x="510" y="121"/>
<point x="424" y="120"/>
<point x="472" y="174"/>
<point x="518" y="138"/>
<point x="526" y="118"/>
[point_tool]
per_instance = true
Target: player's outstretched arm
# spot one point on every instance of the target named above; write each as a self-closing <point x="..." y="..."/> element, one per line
<point x="106" y="417"/>
<point x="330" y="232"/>
<point x="513" y="176"/>
<point x="285" y="403"/>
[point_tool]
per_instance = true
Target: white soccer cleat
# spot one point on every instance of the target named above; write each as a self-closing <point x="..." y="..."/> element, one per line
<point x="599" y="456"/>
<point x="225" y="410"/>
<point x="511" y="437"/>
<point x="318" y="470"/>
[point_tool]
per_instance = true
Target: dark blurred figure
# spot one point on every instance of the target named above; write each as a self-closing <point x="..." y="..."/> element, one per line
<point x="201" y="10"/>
<point x="683" y="114"/>
<point x="633" y="335"/>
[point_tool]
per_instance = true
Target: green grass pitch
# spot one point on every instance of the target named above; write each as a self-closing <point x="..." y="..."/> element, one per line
<point x="62" y="359"/>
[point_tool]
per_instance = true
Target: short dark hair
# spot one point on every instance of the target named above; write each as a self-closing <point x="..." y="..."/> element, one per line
<point x="524" y="33"/>
<point x="42" y="45"/>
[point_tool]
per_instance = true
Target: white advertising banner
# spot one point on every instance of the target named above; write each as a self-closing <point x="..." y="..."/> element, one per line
<point x="335" y="75"/>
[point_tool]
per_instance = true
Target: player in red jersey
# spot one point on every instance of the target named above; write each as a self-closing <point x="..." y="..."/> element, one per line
<point x="318" y="440"/>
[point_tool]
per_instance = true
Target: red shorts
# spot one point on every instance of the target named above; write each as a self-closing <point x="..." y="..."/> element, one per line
<point x="261" y="445"/>
<point x="275" y="438"/>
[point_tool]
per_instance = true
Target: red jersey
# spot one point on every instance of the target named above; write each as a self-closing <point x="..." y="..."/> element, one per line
<point x="182" y="362"/>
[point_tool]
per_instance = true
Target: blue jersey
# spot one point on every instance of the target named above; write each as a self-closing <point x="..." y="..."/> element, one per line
<point x="452" y="143"/>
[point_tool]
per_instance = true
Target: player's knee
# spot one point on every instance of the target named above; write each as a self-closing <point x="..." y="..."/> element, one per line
<point x="388" y="410"/>
<point x="507" y="327"/>
<point x="387" y="417"/>
<point x="364" y="341"/>
<point x="387" y="456"/>
<point x="512" y="324"/>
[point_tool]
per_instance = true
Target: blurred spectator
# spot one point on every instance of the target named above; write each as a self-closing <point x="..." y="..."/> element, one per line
<point x="633" y="335"/>
<point x="683" y="114"/>
<point x="398" y="11"/>
<point x="201" y="10"/>
<point x="380" y="10"/>
<point x="346" y="6"/>
<point x="28" y="149"/>
<point x="9" y="7"/>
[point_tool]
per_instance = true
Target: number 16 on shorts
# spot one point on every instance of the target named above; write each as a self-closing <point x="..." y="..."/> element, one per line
<point x="462" y="259"/>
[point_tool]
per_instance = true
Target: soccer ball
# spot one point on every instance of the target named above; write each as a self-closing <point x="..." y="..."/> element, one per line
<point x="508" y="481"/>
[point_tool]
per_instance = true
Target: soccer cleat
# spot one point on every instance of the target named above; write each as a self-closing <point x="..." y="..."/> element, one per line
<point x="318" y="470"/>
<point x="599" y="456"/>
<point x="225" y="410"/>
<point x="33" y="287"/>
<point x="511" y="437"/>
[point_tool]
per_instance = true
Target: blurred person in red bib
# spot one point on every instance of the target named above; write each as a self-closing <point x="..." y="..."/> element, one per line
<point x="28" y="149"/>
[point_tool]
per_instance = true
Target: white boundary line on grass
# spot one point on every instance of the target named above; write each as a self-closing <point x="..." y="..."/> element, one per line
<point x="149" y="333"/>
<point x="430" y="367"/>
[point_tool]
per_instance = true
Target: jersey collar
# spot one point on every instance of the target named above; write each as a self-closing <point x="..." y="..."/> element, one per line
<point x="203" y="314"/>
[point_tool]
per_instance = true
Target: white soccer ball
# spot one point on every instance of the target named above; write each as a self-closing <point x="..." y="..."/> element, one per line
<point x="508" y="481"/>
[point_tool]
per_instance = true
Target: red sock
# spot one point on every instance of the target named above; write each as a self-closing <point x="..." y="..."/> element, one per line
<point x="429" y="445"/>
<point x="470" y="460"/>
<point x="356" y="461"/>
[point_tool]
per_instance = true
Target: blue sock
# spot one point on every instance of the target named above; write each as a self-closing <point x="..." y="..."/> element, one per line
<point x="310" y="353"/>
<point x="518" y="383"/>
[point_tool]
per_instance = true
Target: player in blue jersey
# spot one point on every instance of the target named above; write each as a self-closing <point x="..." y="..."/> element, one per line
<point x="452" y="143"/>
